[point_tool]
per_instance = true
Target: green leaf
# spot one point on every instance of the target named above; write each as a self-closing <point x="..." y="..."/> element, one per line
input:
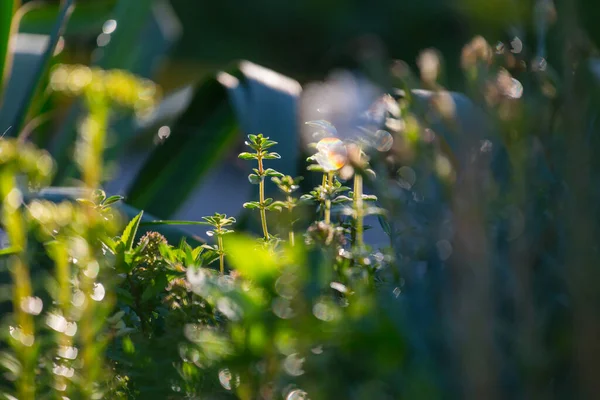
<point x="87" y="18"/>
<point x="276" y="206"/>
<point x="252" y="205"/>
<point x="272" y="172"/>
<point x="86" y="202"/>
<point x="157" y="286"/>
<point x="271" y="156"/>
<point x="128" y="236"/>
<point x="369" y="197"/>
<point x="9" y="251"/>
<point x="7" y="10"/>
<point x="385" y="225"/>
<point x="199" y="138"/>
<point x="27" y="94"/>
<point x="375" y="211"/>
<point x="248" y="156"/>
<point x="112" y="200"/>
<point x="254" y="179"/>
<point x="167" y="222"/>
<point x="341" y="199"/>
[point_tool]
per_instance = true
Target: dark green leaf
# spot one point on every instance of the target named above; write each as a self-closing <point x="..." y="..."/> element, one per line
<point x="198" y="139"/>
<point x="25" y="103"/>
<point x="7" y="9"/>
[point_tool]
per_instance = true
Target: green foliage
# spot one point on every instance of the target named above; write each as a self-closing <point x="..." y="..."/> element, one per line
<point x="486" y="285"/>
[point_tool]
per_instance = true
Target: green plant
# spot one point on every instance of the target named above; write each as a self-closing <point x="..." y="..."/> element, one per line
<point x="219" y="222"/>
<point x="260" y="145"/>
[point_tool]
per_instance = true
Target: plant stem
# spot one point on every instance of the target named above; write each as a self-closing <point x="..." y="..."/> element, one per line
<point x="15" y="230"/>
<point x="261" y="193"/>
<point x="291" y="232"/>
<point x="358" y="208"/>
<point x="221" y="252"/>
<point x="329" y="182"/>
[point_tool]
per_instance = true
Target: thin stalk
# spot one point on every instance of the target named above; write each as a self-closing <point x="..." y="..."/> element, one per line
<point x="329" y="182"/>
<point x="93" y="138"/>
<point x="15" y="230"/>
<point x="221" y="252"/>
<point x="358" y="208"/>
<point x="60" y="257"/>
<point x="261" y="194"/>
<point x="291" y="232"/>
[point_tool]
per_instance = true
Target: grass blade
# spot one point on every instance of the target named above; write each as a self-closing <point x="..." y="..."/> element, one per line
<point x="161" y="222"/>
<point x="7" y="11"/>
<point x="171" y="232"/>
<point x="34" y="85"/>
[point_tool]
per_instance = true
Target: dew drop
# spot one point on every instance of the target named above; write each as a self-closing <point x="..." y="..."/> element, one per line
<point x="27" y="340"/>
<point x="56" y="322"/>
<point x="539" y="64"/>
<point x="92" y="269"/>
<point x="68" y="352"/>
<point x="32" y="305"/>
<point x="324" y="312"/>
<point x="103" y="39"/>
<point x="293" y="365"/>
<point x="78" y="298"/>
<point x="408" y="177"/>
<point x="225" y="378"/>
<point x="515" y="90"/>
<point x="109" y="26"/>
<point x="517" y="45"/>
<point x="297" y="395"/>
<point x="332" y="154"/>
<point x="383" y="140"/>
<point x="486" y="146"/>
<point x="281" y="308"/>
<point x="98" y="292"/>
<point x="500" y="48"/>
<point x="71" y="329"/>
<point x="164" y="132"/>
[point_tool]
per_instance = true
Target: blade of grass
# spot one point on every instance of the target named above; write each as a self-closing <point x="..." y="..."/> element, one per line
<point x="171" y="232"/>
<point x="161" y="222"/>
<point x="34" y="86"/>
<point x="7" y="11"/>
